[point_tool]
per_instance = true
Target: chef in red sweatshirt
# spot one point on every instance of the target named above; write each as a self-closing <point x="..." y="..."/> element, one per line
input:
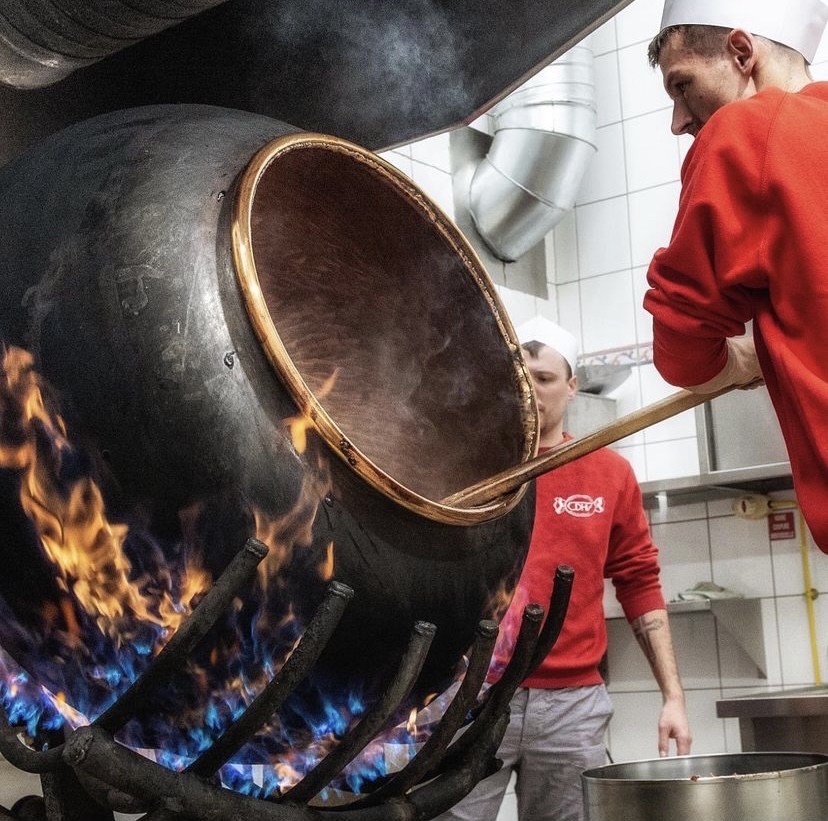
<point x="589" y="515"/>
<point x="750" y="241"/>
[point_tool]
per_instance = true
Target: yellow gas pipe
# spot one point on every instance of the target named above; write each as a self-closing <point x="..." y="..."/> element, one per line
<point x="755" y="507"/>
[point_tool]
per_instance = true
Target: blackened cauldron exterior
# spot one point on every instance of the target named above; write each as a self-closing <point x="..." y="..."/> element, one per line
<point x="191" y="279"/>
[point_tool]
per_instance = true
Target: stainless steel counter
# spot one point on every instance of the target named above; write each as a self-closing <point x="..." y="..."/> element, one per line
<point x="781" y="720"/>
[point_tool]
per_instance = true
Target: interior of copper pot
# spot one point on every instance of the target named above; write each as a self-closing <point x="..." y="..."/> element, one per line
<point x="381" y="320"/>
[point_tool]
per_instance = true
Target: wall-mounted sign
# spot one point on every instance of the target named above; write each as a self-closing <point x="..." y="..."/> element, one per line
<point x="781" y="525"/>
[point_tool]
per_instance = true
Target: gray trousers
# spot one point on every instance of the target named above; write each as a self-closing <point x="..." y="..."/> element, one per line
<point x="553" y="736"/>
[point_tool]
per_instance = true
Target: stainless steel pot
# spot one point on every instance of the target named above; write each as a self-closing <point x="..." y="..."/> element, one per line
<point x="733" y="787"/>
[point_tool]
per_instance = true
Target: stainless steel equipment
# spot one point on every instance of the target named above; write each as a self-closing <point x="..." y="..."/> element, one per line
<point x="781" y="720"/>
<point x="739" y="787"/>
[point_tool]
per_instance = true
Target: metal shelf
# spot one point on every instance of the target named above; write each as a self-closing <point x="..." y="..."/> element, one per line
<point x="706" y="487"/>
<point x="742" y="618"/>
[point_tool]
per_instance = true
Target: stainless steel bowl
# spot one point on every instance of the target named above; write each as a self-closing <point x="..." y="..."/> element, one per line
<point x="733" y="787"/>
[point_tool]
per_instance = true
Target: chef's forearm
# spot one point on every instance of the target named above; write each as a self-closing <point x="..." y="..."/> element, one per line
<point x="652" y="631"/>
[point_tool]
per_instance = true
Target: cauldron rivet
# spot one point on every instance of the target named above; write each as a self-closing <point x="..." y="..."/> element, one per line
<point x="346" y="447"/>
<point x="230" y="358"/>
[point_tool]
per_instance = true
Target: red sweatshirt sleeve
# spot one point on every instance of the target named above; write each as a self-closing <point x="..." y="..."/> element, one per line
<point x="632" y="560"/>
<point x="701" y="284"/>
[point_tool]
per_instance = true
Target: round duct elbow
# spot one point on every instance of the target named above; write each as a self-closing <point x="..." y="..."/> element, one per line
<point x="543" y="143"/>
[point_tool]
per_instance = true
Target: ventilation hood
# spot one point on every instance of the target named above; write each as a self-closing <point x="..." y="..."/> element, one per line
<point x="377" y="72"/>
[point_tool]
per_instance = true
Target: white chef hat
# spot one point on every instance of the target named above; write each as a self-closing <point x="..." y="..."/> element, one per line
<point x="795" y="23"/>
<point x="543" y="330"/>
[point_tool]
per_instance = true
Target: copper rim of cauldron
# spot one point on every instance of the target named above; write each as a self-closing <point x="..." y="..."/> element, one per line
<point x="305" y="399"/>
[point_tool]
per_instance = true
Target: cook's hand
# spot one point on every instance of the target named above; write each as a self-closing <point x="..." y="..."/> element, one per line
<point x="672" y="723"/>
<point x="741" y="371"/>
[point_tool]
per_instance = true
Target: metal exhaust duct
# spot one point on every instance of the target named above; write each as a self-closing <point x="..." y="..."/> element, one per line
<point x="43" y="42"/>
<point x="544" y="140"/>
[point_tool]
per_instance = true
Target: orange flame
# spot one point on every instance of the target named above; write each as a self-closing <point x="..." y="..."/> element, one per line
<point x="299" y="425"/>
<point x="411" y="724"/>
<point x="499" y="602"/>
<point x="85" y="547"/>
<point x="22" y="406"/>
<point x="326" y="569"/>
<point x="295" y="528"/>
<point x="87" y="550"/>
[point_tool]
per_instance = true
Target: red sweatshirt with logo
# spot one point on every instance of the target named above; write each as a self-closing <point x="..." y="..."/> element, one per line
<point x="589" y="515"/>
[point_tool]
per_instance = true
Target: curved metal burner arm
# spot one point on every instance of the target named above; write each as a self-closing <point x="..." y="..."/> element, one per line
<point x="372" y="722"/>
<point x="531" y="648"/>
<point x="187" y="796"/>
<point x="22" y="756"/>
<point x="558" y="606"/>
<point x="450" y="722"/>
<point x="499" y="695"/>
<point x="297" y="666"/>
<point x="236" y="577"/>
<point x="270" y="699"/>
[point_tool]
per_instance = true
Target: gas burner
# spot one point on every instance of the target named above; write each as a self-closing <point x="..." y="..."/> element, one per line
<point x="88" y="775"/>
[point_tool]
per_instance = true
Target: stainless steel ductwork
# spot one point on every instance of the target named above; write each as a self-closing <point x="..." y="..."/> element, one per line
<point x="543" y="142"/>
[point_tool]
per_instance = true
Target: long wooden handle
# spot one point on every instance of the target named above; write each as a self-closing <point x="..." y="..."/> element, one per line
<point x="510" y="479"/>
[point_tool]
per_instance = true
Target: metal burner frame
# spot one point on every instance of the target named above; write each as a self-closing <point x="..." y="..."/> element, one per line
<point x="89" y="775"/>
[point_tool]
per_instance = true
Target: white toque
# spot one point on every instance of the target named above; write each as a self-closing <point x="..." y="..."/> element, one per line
<point x="797" y="24"/>
<point x="543" y="330"/>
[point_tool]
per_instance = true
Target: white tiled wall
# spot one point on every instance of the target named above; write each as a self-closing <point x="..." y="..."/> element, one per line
<point x="707" y="542"/>
<point x="596" y="259"/>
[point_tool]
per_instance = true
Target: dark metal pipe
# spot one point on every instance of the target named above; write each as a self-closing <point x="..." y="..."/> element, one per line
<point x="500" y="693"/>
<point x="371" y="723"/>
<point x="558" y="605"/>
<point x="477" y="763"/>
<point x="43" y="42"/>
<point x="450" y="722"/>
<point x="106" y="795"/>
<point x="92" y="750"/>
<point x="66" y="798"/>
<point x="238" y="574"/>
<point x="23" y="757"/>
<point x="297" y="666"/>
<point x="531" y="648"/>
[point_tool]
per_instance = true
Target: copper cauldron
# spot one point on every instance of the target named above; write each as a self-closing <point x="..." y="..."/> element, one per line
<point x="191" y="278"/>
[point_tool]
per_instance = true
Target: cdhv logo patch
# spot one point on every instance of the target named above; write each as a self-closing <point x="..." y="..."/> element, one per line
<point x="579" y="504"/>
